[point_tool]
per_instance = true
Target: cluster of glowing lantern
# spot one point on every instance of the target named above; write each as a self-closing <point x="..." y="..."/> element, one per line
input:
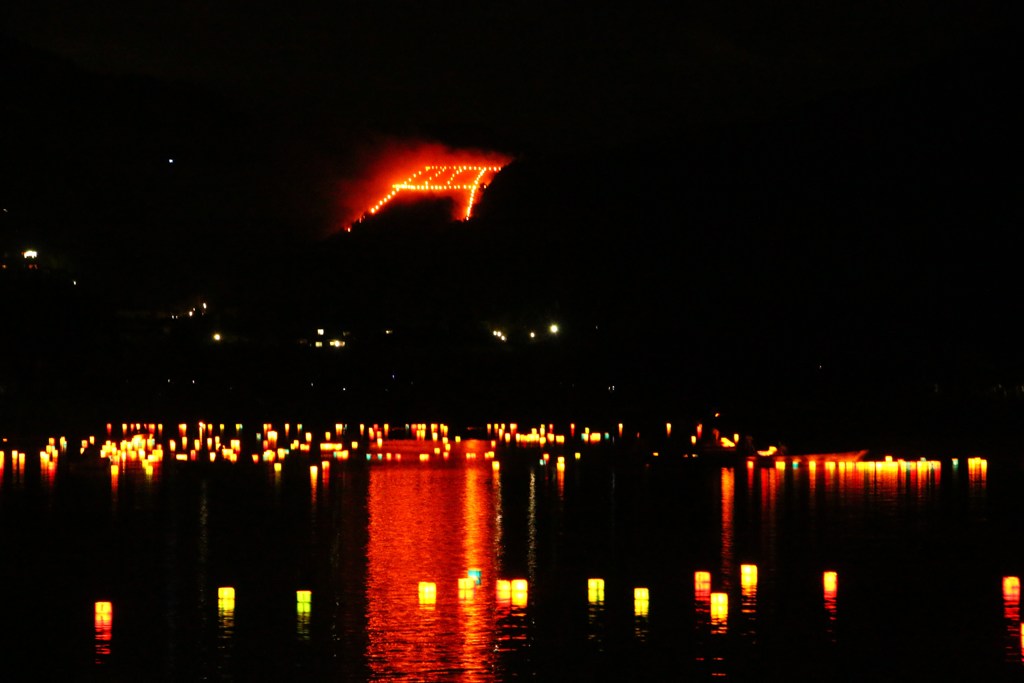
<point x="103" y="625"/>
<point x="977" y="468"/>
<point x="427" y="592"/>
<point x="641" y="601"/>
<point x="48" y="460"/>
<point x="513" y="592"/>
<point x="595" y="591"/>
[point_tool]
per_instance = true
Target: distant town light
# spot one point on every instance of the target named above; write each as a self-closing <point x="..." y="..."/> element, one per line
<point x="554" y="328"/>
<point x="216" y="336"/>
<point x="533" y="335"/>
<point x="319" y="331"/>
<point x="170" y="161"/>
<point x="30" y="253"/>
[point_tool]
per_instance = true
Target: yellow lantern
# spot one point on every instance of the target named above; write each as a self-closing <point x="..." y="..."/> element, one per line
<point x="427" y="593"/>
<point x="719" y="612"/>
<point x="641" y="601"/>
<point x="303" y="601"/>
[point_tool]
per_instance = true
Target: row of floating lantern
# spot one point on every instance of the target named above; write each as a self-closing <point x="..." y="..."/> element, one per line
<point x="17" y="461"/>
<point x="514" y="592"/>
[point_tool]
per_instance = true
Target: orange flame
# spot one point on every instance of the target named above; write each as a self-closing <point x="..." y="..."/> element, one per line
<point x="407" y="167"/>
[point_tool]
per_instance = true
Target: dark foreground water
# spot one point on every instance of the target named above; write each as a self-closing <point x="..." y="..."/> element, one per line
<point x="401" y="561"/>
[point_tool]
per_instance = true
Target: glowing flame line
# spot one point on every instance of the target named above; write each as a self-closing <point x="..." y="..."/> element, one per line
<point x="430" y="183"/>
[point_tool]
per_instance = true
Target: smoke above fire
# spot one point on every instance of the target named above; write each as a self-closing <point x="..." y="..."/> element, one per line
<point x="379" y="167"/>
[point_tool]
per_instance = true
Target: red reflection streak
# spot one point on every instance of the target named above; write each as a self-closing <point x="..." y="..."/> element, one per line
<point x="769" y="494"/>
<point x="430" y="524"/>
<point x="477" y="619"/>
<point x="728" y="497"/>
<point x="812" y="483"/>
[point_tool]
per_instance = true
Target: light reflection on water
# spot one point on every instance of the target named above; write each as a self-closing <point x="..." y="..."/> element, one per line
<point x="431" y="525"/>
<point x="446" y="568"/>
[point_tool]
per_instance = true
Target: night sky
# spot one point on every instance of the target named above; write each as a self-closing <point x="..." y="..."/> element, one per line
<point x="525" y="75"/>
<point x="800" y="186"/>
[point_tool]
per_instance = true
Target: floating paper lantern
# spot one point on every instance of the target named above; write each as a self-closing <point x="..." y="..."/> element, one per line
<point x="427" y="593"/>
<point x="519" y="592"/>
<point x="641" y="601"/>
<point x="748" y="578"/>
<point x="103" y="622"/>
<point x="702" y="584"/>
<point x="226" y="599"/>
<point x="719" y="611"/>
<point x="1011" y="589"/>
<point x="831" y="583"/>
<point x="303" y="601"/>
<point x="104" y="612"/>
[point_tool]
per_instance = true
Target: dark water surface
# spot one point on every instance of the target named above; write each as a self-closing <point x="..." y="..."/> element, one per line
<point x="619" y="565"/>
